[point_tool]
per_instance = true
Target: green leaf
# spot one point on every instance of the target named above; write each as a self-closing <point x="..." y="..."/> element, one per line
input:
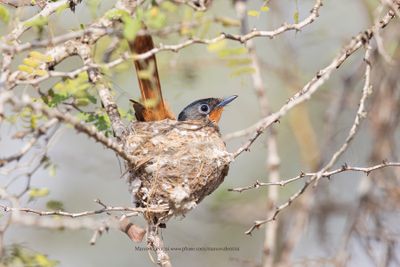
<point x="214" y="47"/>
<point x="238" y="62"/>
<point x="40" y="21"/>
<point x="126" y="114"/>
<point x="82" y="102"/>
<point x="82" y="116"/>
<point x="155" y="18"/>
<point x="73" y="87"/>
<point x="93" y="6"/>
<point x="54" y="205"/>
<point x="296" y="17"/>
<point x="39" y="72"/>
<point x="264" y="8"/>
<point x="168" y="6"/>
<point x="131" y="27"/>
<point x="33" y="121"/>
<point x="92" y="99"/>
<point x="31" y="62"/>
<point x="19" y="256"/>
<point x="228" y="22"/>
<point x="205" y="29"/>
<point x="52" y="99"/>
<point x="102" y="123"/>
<point x="52" y="169"/>
<point x="41" y="57"/>
<point x="236" y="51"/>
<point x="61" y="8"/>
<point x="253" y="13"/>
<point x="38" y="192"/>
<point x="44" y="261"/>
<point x="4" y="14"/>
<point x="242" y="71"/>
<point x="26" y="69"/>
<point x="116" y="13"/>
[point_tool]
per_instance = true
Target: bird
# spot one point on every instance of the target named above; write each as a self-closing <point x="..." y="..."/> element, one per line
<point x="180" y="160"/>
<point x="152" y="106"/>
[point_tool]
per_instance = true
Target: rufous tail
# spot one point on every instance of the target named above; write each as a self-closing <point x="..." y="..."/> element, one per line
<point x="151" y="106"/>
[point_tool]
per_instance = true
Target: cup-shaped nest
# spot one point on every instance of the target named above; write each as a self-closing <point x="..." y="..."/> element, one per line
<point x="178" y="164"/>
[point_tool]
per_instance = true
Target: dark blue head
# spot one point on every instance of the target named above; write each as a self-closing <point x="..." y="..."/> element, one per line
<point x="203" y="109"/>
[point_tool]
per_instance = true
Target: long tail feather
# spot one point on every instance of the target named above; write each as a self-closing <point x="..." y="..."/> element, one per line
<point x="151" y="106"/>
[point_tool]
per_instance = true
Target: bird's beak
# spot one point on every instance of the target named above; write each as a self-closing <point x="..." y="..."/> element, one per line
<point x="216" y="113"/>
<point x="226" y="101"/>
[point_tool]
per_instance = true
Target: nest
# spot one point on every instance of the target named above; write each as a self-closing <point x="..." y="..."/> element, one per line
<point x="179" y="163"/>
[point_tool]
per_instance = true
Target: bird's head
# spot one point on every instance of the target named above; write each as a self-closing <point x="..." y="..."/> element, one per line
<point x="205" y="109"/>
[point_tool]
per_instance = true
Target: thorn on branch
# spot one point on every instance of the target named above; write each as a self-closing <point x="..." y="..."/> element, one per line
<point x="98" y="201"/>
<point x="344" y="167"/>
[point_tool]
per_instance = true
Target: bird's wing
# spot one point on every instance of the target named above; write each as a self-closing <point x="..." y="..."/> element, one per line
<point x="151" y="106"/>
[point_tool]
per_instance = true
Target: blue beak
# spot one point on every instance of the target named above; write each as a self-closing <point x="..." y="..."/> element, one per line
<point x="226" y="101"/>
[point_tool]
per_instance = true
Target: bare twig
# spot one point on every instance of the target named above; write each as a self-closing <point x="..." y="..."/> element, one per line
<point x="36" y="135"/>
<point x="327" y="174"/>
<point x="315" y="178"/>
<point x="84" y="213"/>
<point x="273" y="159"/>
<point x="361" y="114"/>
<point x="316" y="82"/>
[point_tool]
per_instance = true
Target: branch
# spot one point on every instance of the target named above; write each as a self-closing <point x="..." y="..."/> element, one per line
<point x="272" y="155"/>
<point x="361" y="114"/>
<point x="155" y="243"/>
<point x="65" y="49"/>
<point x="327" y="174"/>
<point x="106" y="209"/>
<point x="17" y="3"/>
<point x="311" y="87"/>
<point x="68" y="223"/>
<point x="90" y="131"/>
<point x="107" y="100"/>
<point x="25" y="149"/>
<point x="315" y="178"/>
<point x="95" y="31"/>
<point x="18" y="30"/>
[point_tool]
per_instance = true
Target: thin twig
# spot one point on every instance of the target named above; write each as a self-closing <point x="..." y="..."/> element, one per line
<point x="315" y="178"/>
<point x="316" y="82"/>
<point x="327" y="174"/>
<point x="83" y="213"/>
<point x="90" y="131"/>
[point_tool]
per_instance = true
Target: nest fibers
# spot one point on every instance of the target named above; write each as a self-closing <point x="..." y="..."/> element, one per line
<point x="179" y="163"/>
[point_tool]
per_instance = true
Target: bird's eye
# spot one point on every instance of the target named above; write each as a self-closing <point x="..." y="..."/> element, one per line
<point x="204" y="108"/>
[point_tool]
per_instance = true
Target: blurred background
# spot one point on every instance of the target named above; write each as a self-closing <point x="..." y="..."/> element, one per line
<point x="336" y="216"/>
